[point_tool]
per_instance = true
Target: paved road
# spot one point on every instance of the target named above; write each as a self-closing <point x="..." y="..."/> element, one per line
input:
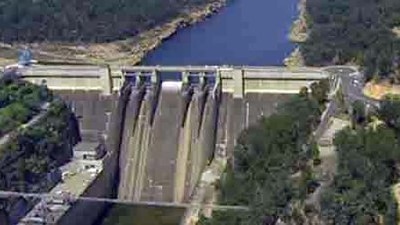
<point x="326" y="171"/>
<point x="353" y="83"/>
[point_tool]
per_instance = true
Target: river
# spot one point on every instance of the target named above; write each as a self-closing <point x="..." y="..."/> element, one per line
<point x="252" y="32"/>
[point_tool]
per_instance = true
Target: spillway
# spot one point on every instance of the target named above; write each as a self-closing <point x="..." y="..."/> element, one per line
<point x="171" y="130"/>
<point x="128" y="157"/>
<point x="166" y="140"/>
<point x="160" y="166"/>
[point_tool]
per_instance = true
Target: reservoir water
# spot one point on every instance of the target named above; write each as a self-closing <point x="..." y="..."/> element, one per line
<point x="246" y="32"/>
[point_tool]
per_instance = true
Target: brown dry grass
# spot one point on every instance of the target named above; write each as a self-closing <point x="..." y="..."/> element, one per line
<point x="379" y="90"/>
<point x="396" y="31"/>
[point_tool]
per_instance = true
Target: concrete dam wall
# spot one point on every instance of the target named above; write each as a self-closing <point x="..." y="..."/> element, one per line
<point x="167" y="131"/>
<point x="160" y="135"/>
<point x="170" y="135"/>
<point x="166" y="140"/>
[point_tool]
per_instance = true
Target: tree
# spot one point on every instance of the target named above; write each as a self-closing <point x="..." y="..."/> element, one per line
<point x="390" y="111"/>
<point x="319" y="91"/>
<point x="266" y="157"/>
<point x="361" y="191"/>
<point x="358" y="113"/>
<point x="303" y="92"/>
<point x="315" y="153"/>
<point x="344" y="31"/>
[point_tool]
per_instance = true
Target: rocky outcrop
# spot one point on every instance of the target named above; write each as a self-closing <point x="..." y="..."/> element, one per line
<point x="299" y="30"/>
<point x="298" y="34"/>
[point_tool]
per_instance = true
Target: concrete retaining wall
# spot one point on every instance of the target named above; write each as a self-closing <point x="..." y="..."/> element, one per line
<point x="67" y="77"/>
<point x="104" y="185"/>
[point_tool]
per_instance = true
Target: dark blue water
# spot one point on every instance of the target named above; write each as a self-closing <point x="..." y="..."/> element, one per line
<point x="247" y="32"/>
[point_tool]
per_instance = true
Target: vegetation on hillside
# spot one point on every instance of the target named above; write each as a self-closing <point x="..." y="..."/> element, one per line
<point x="34" y="152"/>
<point x="83" y="20"/>
<point x="357" y="31"/>
<point x="267" y="157"/>
<point x="271" y="153"/>
<point x="368" y="155"/>
<point x="19" y="102"/>
<point x="38" y="150"/>
<point x="390" y="112"/>
<point x="361" y="193"/>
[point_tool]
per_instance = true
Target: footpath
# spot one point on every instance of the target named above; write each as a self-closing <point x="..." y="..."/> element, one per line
<point x="326" y="170"/>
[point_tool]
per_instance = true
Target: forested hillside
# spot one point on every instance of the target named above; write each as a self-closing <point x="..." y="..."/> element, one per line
<point x="30" y="157"/>
<point x="83" y="20"/>
<point x="266" y="157"/>
<point x="368" y="159"/>
<point x="359" y="31"/>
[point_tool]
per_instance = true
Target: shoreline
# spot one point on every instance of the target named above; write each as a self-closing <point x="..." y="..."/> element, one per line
<point x="130" y="51"/>
<point x="298" y="34"/>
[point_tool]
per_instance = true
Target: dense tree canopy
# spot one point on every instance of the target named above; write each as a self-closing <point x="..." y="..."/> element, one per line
<point x="358" y="31"/>
<point x="86" y="20"/>
<point x="37" y="150"/>
<point x="32" y="152"/>
<point x="266" y="157"/>
<point x="19" y="102"/>
<point x="361" y="193"/>
<point x="368" y="156"/>
<point x="389" y="111"/>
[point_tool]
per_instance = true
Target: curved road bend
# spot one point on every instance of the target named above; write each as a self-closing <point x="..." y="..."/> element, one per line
<point x="353" y="83"/>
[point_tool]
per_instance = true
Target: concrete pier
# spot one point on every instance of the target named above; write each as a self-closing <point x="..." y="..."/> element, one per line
<point x="129" y="145"/>
<point x="141" y="147"/>
<point x="185" y="145"/>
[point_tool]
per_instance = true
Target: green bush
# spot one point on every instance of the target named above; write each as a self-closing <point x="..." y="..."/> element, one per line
<point x="39" y="149"/>
<point x="366" y="172"/>
<point x="19" y="101"/>
<point x="266" y="157"/>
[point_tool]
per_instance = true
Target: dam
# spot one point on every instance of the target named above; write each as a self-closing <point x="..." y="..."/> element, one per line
<point x="164" y="132"/>
<point x="124" y="105"/>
